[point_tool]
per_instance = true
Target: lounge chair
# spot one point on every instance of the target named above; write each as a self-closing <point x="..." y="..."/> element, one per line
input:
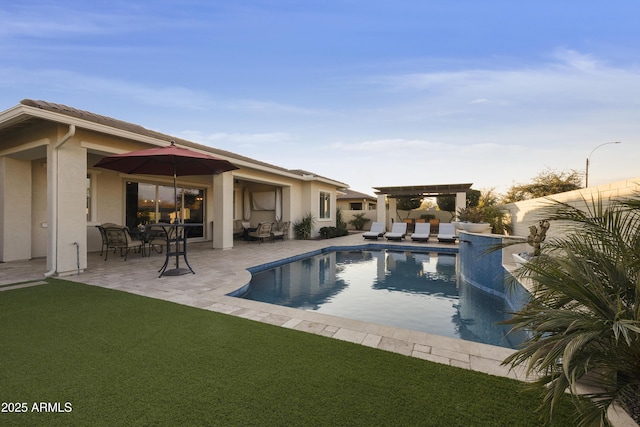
<point x="422" y="232"/>
<point x="377" y="230"/>
<point x="447" y="233"/>
<point x="262" y="232"/>
<point x="398" y="231"/>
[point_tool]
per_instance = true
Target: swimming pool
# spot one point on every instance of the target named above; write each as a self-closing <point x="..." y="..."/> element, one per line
<point x="406" y="289"/>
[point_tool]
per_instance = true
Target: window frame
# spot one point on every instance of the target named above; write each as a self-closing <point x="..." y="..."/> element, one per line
<point x="324" y="208"/>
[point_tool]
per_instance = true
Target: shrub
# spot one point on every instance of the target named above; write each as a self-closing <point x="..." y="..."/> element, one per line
<point x="359" y="221"/>
<point x="304" y="227"/>
<point x="331" y="232"/>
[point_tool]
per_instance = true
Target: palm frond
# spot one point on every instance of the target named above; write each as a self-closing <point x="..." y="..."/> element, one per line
<point x="584" y="314"/>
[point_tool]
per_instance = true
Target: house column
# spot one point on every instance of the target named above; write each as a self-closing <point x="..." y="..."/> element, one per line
<point x="70" y="222"/>
<point x="461" y="202"/>
<point x="287" y="208"/>
<point x="393" y="203"/>
<point x="223" y="211"/>
<point x="381" y="209"/>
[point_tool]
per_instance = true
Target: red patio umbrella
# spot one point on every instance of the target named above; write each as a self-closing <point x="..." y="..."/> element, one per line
<point x="170" y="161"/>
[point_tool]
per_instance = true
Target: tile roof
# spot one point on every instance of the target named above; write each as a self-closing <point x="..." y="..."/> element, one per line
<point x="351" y="194"/>
<point x="137" y="129"/>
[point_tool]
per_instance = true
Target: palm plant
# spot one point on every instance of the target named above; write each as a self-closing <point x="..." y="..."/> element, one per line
<point x="584" y="314"/>
<point x="304" y="227"/>
<point x="359" y="220"/>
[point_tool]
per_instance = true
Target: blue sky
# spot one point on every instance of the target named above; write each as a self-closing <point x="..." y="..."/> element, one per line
<point x="370" y="93"/>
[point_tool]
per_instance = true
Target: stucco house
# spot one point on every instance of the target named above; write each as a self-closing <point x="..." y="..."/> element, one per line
<point x="52" y="196"/>
<point x="355" y="201"/>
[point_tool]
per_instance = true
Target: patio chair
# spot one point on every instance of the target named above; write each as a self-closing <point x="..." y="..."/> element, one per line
<point x="281" y="232"/>
<point x="103" y="235"/>
<point x="398" y="231"/>
<point x="262" y="232"/>
<point x="240" y="228"/>
<point x="157" y="238"/>
<point x="422" y="232"/>
<point x="377" y="230"/>
<point x="447" y="233"/>
<point x="119" y="238"/>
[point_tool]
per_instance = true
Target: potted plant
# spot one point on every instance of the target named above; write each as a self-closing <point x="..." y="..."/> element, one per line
<point x="472" y="220"/>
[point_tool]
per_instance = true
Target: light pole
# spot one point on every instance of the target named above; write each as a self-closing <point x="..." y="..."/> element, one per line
<point x="586" y="174"/>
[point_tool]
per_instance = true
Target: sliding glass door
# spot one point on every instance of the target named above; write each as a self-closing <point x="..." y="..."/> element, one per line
<point x="151" y="203"/>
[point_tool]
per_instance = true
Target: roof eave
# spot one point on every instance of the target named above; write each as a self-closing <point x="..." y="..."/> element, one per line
<point x="16" y="114"/>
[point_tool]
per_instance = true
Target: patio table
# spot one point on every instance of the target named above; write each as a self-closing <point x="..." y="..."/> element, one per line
<point x="176" y="235"/>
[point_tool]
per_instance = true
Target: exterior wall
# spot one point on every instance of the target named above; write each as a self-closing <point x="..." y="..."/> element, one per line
<point x="529" y="212"/>
<point x="443" y="216"/>
<point x="345" y="204"/>
<point x="348" y="215"/>
<point x="15" y="209"/>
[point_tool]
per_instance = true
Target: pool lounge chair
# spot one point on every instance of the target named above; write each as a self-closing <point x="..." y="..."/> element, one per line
<point x="398" y="231"/>
<point x="447" y="233"/>
<point x="377" y="230"/>
<point x="422" y="232"/>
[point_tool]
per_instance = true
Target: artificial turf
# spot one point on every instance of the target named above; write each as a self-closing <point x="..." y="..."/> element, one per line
<point x="115" y="358"/>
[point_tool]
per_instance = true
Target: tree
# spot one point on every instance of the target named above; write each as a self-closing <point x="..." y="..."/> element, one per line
<point x="584" y="312"/>
<point x="447" y="202"/>
<point x="546" y="183"/>
<point x="408" y="203"/>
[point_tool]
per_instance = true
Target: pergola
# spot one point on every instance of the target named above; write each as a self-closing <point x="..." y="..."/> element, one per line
<point x="460" y="190"/>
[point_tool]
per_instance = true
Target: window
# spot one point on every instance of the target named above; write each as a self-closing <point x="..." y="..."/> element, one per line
<point x="355" y="206"/>
<point x="325" y="205"/>
<point x="150" y="203"/>
<point x="89" y="211"/>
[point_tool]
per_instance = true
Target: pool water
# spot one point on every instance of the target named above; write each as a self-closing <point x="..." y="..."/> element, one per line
<point x="410" y="290"/>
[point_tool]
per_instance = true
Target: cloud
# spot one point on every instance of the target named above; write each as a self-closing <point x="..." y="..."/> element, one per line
<point x="68" y="83"/>
<point x="22" y="19"/>
<point x="571" y="79"/>
<point x="234" y="139"/>
<point x="270" y="107"/>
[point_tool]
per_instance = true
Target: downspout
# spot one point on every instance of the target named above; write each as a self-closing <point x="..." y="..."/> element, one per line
<point x="53" y="244"/>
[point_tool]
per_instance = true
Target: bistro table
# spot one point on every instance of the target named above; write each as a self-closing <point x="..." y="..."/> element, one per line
<point x="176" y="235"/>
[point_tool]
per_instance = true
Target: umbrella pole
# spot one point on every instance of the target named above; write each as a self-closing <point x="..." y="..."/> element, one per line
<point x="177" y="227"/>
<point x="176" y="221"/>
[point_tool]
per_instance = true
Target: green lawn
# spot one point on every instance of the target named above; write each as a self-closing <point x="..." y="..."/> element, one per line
<point x="122" y="359"/>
